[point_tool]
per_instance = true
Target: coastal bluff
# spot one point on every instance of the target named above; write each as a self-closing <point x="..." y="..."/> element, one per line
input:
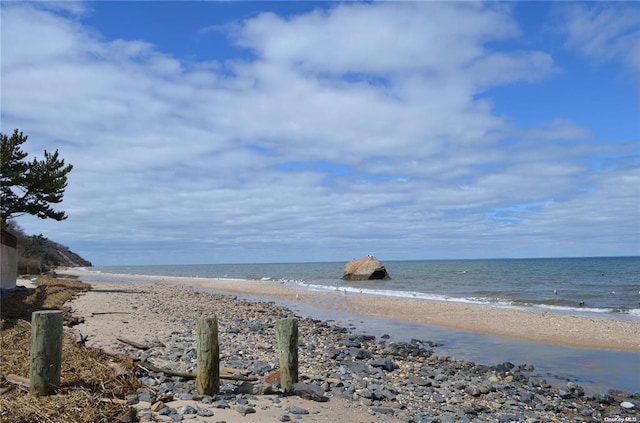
<point x="365" y="268"/>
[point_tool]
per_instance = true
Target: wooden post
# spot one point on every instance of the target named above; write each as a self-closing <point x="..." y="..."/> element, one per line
<point x="45" y="363"/>
<point x="288" y="348"/>
<point x="208" y="352"/>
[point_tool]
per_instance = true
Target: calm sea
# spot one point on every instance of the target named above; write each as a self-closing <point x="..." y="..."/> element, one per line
<point x="573" y="285"/>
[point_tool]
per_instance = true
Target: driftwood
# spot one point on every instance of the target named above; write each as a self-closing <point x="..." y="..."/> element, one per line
<point x="18" y="380"/>
<point x="135" y="344"/>
<point x="233" y="370"/>
<point x="148" y="366"/>
<point x="113" y="401"/>
<point x="100" y="313"/>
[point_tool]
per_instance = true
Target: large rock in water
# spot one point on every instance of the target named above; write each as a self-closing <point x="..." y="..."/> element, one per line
<point x="364" y="269"/>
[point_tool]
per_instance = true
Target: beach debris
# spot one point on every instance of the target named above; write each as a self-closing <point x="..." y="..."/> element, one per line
<point x="257" y="389"/>
<point x="119" y="369"/>
<point x="70" y="320"/>
<point x="224" y="374"/>
<point x="81" y="339"/>
<point x="23" y="382"/>
<point x="366" y="268"/>
<point x="157" y="406"/>
<point x="272" y="377"/>
<point x="134" y="344"/>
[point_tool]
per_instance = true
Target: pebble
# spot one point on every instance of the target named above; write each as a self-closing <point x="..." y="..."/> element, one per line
<point x="407" y="380"/>
<point x="294" y="409"/>
<point x="243" y="409"/>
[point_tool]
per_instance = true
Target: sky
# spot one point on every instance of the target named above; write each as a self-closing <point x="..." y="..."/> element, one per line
<point x="250" y="132"/>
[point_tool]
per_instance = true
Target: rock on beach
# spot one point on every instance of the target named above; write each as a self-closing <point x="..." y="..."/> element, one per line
<point x="366" y="268"/>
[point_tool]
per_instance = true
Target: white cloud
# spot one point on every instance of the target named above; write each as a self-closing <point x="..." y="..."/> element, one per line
<point x="557" y="129"/>
<point x="603" y="31"/>
<point x="335" y="135"/>
<point x="385" y="39"/>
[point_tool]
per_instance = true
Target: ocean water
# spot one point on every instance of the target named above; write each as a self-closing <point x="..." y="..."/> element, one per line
<point x="608" y="286"/>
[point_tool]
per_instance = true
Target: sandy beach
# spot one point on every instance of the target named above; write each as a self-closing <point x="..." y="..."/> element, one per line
<point x="364" y="379"/>
<point x="546" y="327"/>
<point x="123" y="310"/>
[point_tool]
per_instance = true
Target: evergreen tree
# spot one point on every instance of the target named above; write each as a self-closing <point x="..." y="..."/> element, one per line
<point x="30" y="187"/>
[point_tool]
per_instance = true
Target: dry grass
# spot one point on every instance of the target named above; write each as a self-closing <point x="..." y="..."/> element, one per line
<point x="87" y="381"/>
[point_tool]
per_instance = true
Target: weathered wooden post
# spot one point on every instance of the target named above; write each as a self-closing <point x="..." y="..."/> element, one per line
<point x="208" y="353"/>
<point x="45" y="363"/>
<point x="288" y="348"/>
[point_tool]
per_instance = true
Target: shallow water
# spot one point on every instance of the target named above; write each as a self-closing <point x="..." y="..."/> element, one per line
<point x="596" y="370"/>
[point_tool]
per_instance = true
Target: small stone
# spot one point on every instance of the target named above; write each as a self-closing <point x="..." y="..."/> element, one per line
<point x="627" y="404"/>
<point x="132" y="399"/>
<point x="187" y="409"/>
<point x="220" y="404"/>
<point x="146" y="396"/>
<point x="128" y="416"/>
<point x="526" y="367"/>
<point x="472" y="390"/>
<point x="364" y="393"/>
<point x="440" y="377"/>
<point x="284" y="418"/>
<point x="605" y="399"/>
<point x="165" y="411"/>
<point x="243" y="409"/>
<point x="204" y="412"/>
<point x="586" y="411"/>
<point x="157" y="406"/>
<point x="146" y="415"/>
<point x="385" y="363"/>
<point x="576" y="389"/>
<point x="309" y="391"/>
<point x="360" y="353"/>
<point x="438" y="398"/>
<point x="383" y="410"/>
<point x="564" y="394"/>
<point x="298" y="411"/>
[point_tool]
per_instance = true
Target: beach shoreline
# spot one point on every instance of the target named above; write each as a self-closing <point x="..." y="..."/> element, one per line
<point x="600" y="333"/>
<point x="364" y="377"/>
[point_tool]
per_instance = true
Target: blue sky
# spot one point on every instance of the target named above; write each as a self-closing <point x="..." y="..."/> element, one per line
<point x="231" y="132"/>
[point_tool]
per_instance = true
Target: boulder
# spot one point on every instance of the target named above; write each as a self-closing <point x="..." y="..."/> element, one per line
<point x="364" y="269"/>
